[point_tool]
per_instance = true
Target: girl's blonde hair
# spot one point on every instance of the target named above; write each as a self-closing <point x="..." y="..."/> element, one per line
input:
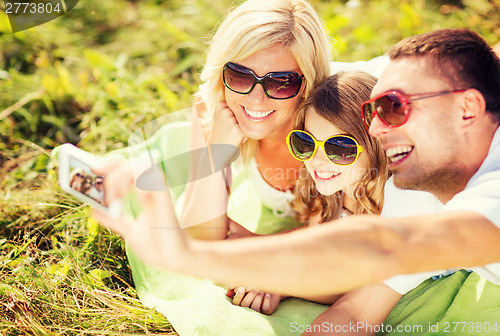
<point x="338" y="99"/>
<point x="259" y="24"/>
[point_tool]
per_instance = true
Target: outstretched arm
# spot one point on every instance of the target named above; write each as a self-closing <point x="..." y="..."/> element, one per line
<point x="326" y="259"/>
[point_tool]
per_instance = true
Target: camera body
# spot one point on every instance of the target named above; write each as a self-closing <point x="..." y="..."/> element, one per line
<point x="76" y="178"/>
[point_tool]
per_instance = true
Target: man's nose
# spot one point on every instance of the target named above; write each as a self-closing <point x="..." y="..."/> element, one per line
<point x="377" y="126"/>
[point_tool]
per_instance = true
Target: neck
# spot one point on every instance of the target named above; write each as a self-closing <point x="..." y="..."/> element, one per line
<point x="278" y="168"/>
<point x="470" y="163"/>
<point x="445" y="197"/>
<point x="349" y="201"/>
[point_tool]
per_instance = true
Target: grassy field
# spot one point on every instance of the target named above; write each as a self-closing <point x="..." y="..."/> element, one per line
<point x="91" y="78"/>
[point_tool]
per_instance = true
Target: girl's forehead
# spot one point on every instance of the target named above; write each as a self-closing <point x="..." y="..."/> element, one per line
<point x="320" y="127"/>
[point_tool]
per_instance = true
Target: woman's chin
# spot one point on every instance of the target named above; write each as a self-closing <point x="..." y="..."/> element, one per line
<point x="254" y="134"/>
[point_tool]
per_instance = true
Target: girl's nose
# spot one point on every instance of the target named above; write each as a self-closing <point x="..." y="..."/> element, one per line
<point x="319" y="158"/>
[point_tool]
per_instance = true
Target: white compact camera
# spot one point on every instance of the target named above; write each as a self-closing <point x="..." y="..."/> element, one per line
<point x="76" y="178"/>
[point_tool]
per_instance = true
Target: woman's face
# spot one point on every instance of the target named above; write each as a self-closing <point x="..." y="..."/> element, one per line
<point x="329" y="177"/>
<point x="78" y="177"/>
<point x="258" y="115"/>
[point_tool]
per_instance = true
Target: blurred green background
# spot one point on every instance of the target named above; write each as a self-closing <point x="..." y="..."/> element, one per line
<point x="94" y="76"/>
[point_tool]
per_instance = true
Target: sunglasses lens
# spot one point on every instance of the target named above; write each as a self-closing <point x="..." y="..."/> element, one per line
<point x="238" y="78"/>
<point x="301" y="145"/>
<point x="277" y="85"/>
<point x="282" y="85"/>
<point x="367" y="113"/>
<point x="391" y="109"/>
<point x="341" y="150"/>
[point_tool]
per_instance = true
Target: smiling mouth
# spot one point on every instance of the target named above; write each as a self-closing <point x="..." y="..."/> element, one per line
<point x="325" y="176"/>
<point x="258" y="114"/>
<point x="398" y="153"/>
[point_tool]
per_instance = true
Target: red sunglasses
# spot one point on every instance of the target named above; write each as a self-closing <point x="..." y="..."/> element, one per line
<point x="393" y="107"/>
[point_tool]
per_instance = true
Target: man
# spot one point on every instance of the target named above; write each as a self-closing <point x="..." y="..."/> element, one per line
<point x="97" y="190"/>
<point x="440" y="131"/>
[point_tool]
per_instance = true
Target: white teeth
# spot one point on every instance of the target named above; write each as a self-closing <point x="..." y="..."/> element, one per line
<point x="326" y="175"/>
<point x="398" y="152"/>
<point x="257" y="114"/>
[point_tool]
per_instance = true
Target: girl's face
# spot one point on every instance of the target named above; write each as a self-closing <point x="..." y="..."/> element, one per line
<point x="329" y="177"/>
<point x="258" y="115"/>
<point x="87" y="181"/>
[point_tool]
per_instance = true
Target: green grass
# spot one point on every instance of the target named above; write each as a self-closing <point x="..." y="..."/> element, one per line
<point x="91" y="78"/>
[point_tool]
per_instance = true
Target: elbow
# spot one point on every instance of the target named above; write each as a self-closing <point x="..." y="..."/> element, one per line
<point x="203" y="234"/>
<point x="216" y="229"/>
<point x="389" y="253"/>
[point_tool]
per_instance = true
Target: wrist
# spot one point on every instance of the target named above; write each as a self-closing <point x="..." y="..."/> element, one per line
<point x="219" y="156"/>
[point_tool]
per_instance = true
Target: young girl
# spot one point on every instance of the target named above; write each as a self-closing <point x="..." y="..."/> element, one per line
<point x="346" y="169"/>
<point x="345" y="173"/>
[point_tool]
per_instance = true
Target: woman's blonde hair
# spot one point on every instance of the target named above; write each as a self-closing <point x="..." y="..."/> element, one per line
<point x="259" y="24"/>
<point x="338" y="99"/>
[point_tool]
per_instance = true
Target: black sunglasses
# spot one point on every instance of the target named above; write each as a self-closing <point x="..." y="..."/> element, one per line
<point x="276" y="85"/>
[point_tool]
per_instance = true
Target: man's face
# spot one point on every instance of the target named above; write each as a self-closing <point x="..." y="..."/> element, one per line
<point x="98" y="183"/>
<point x="425" y="152"/>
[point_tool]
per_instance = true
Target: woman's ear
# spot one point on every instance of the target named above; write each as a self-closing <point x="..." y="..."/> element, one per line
<point x="473" y="106"/>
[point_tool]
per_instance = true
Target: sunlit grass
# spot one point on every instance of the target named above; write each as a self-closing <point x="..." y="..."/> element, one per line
<point x="61" y="273"/>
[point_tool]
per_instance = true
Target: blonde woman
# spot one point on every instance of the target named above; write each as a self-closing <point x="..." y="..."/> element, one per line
<point x="76" y="179"/>
<point x="264" y="59"/>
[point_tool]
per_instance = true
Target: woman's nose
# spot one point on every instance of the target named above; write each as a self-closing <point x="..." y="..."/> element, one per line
<point x="257" y="94"/>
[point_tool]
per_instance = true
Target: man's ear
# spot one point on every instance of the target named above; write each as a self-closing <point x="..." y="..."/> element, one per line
<point x="473" y="106"/>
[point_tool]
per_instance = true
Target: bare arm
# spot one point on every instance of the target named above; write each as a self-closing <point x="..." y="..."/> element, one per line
<point x="205" y="209"/>
<point x="253" y="298"/>
<point x="356" y="252"/>
<point x="359" y="312"/>
<point x="326" y="259"/>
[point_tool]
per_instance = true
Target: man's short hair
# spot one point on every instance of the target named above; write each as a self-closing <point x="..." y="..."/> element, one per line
<point x="462" y="57"/>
